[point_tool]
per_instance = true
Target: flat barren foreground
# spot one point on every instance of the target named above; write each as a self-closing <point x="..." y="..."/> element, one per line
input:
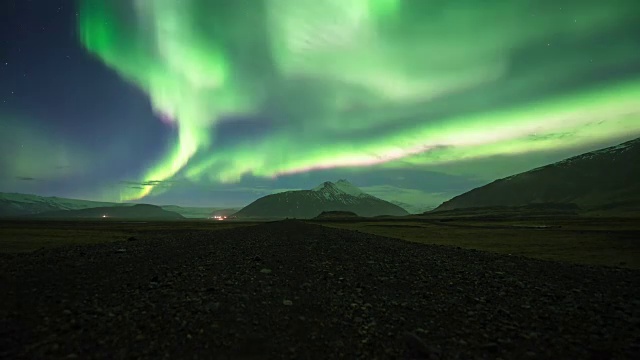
<point x="296" y="290"/>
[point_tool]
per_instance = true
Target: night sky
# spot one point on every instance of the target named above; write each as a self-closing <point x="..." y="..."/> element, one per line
<point x="218" y="102"/>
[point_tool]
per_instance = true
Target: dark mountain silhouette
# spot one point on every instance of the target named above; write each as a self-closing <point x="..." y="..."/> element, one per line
<point x="336" y="215"/>
<point x="503" y="212"/>
<point x="138" y="212"/>
<point x="190" y="211"/>
<point x="606" y="179"/>
<point x="304" y="204"/>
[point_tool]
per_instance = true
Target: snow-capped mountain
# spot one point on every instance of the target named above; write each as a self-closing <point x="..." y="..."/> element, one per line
<point x="341" y="191"/>
<point x="15" y="204"/>
<point x="341" y="186"/>
<point x="328" y="196"/>
<point x="605" y="179"/>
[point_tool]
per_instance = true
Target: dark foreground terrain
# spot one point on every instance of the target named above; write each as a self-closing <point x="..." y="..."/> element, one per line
<point x="296" y="290"/>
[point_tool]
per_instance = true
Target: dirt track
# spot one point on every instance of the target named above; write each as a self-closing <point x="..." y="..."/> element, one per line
<point x="294" y="290"/>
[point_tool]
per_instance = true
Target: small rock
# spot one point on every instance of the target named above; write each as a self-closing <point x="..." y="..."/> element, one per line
<point x="132" y="238"/>
<point x="418" y="347"/>
<point x="214" y="306"/>
<point x="66" y="312"/>
<point x="257" y="258"/>
<point x="265" y="271"/>
<point x="421" y="331"/>
<point x="287" y="302"/>
<point x="491" y="347"/>
<point x="121" y="251"/>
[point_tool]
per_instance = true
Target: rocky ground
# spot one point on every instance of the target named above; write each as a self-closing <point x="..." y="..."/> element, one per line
<point x="295" y="290"/>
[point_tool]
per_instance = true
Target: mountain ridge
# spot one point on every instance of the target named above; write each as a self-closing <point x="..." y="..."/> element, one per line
<point x="328" y="196"/>
<point x="18" y="204"/>
<point x="137" y="211"/>
<point x="591" y="180"/>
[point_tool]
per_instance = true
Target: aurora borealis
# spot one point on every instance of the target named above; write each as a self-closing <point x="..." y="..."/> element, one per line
<point x="270" y="94"/>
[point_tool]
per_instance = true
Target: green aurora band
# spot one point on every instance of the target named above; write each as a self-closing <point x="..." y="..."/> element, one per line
<point x="351" y="83"/>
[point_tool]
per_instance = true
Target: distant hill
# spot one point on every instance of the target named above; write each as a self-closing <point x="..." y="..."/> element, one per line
<point x="413" y="208"/>
<point x="328" y="196"/>
<point x="222" y="213"/>
<point x="134" y="212"/>
<point x="191" y="212"/>
<point x="336" y="215"/>
<point x="14" y="204"/>
<point x="606" y="179"/>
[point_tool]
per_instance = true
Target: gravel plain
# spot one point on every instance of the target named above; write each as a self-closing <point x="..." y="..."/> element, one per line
<point x="295" y="290"/>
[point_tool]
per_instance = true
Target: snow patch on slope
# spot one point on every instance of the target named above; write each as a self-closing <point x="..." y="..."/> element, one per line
<point x="339" y="188"/>
<point x="612" y="150"/>
<point x="349" y="188"/>
<point x="323" y="186"/>
<point x="62" y="203"/>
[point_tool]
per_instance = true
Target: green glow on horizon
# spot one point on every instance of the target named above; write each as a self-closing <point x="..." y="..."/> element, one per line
<point x="338" y="72"/>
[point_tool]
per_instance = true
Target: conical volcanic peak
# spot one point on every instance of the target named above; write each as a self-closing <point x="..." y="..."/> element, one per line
<point x="328" y="196"/>
<point x="349" y="188"/>
<point x="341" y="186"/>
<point x="325" y="185"/>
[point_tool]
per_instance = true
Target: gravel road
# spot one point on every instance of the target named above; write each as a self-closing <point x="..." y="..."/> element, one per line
<point x="294" y="290"/>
